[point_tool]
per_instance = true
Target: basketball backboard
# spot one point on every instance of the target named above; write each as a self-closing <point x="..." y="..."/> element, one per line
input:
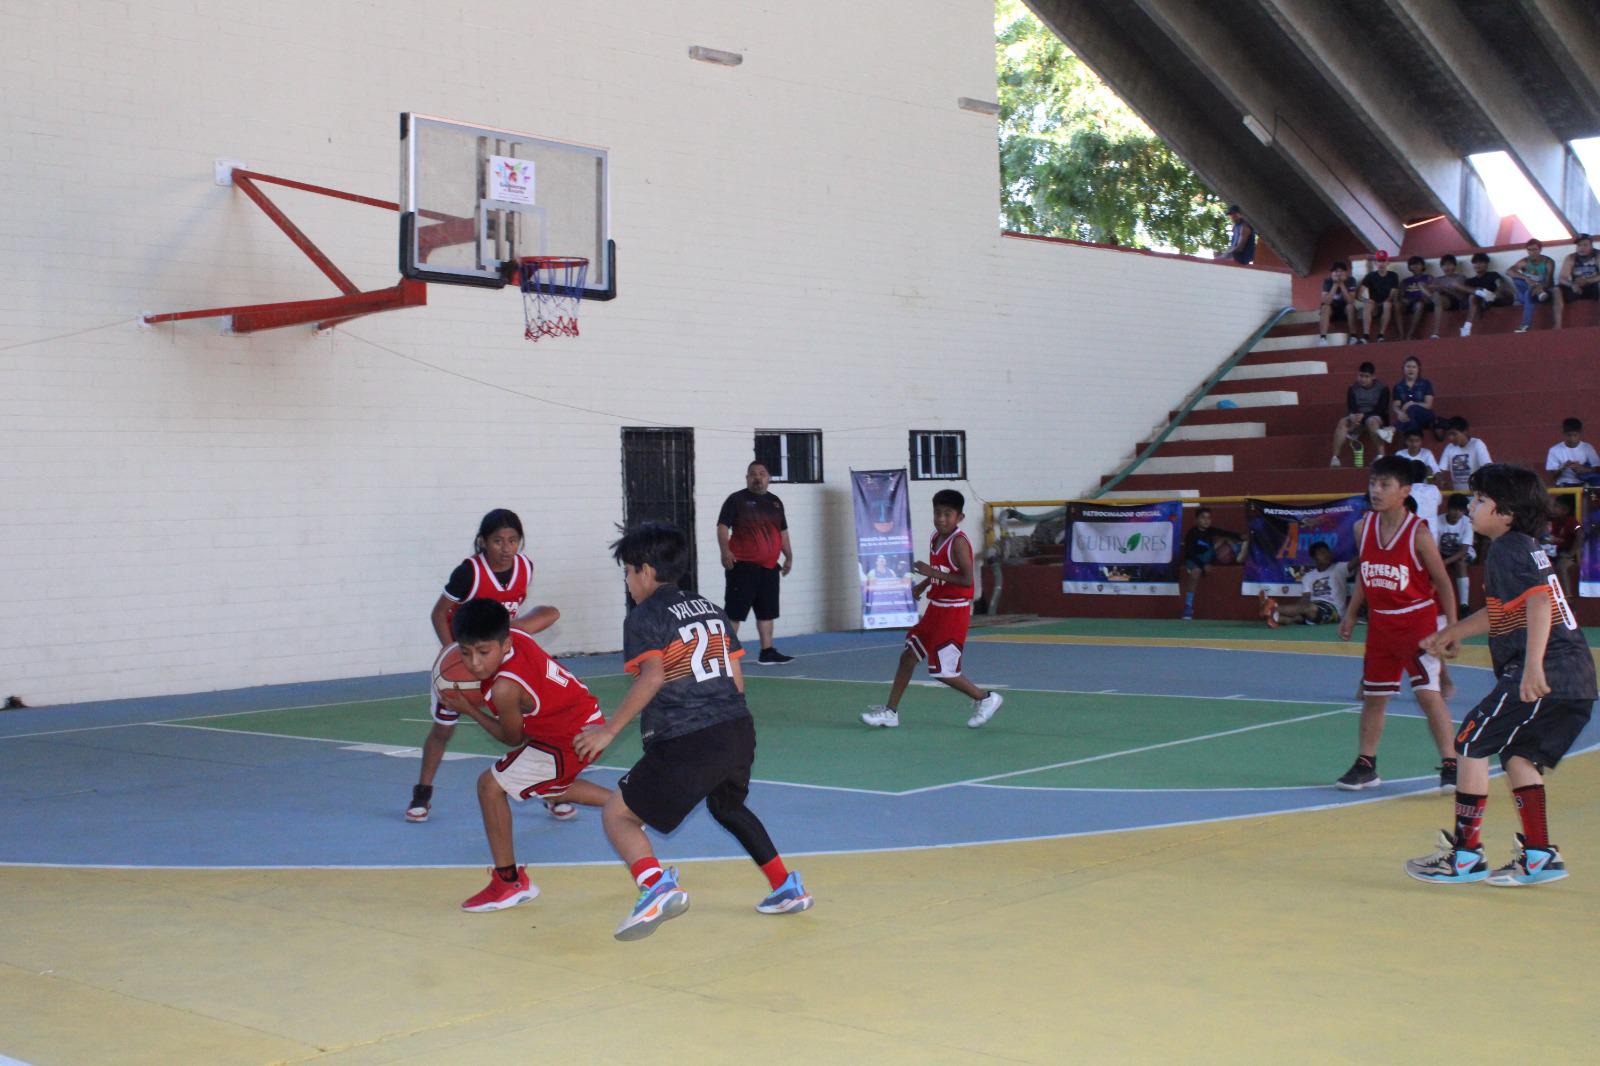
<point x="475" y="199"/>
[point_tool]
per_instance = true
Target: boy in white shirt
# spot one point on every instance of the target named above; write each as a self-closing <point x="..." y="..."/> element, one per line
<point x="1454" y="533"/>
<point x="1461" y="456"/>
<point x="1571" y="461"/>
<point x="1424" y="494"/>
<point x="1417" y="453"/>
<point x="1325" y="590"/>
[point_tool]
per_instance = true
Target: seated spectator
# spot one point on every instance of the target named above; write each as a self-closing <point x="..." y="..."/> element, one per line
<point x="1416" y="295"/>
<point x="1204" y="547"/>
<point x="1580" y="272"/>
<point x="1450" y="292"/>
<point x="1325" y="590"/>
<point x="1424" y="495"/>
<point x="1574" y="460"/>
<point x="1380" y="289"/>
<point x="1339" y="301"/>
<point x="1456" y="546"/>
<point x="1489" y="289"/>
<point x="1463" y="453"/>
<point x="1414" y="451"/>
<point x="1366" y="403"/>
<point x="1534" y="277"/>
<point x="1242" y="242"/>
<point x="1412" y="407"/>
<point x="1562" y="540"/>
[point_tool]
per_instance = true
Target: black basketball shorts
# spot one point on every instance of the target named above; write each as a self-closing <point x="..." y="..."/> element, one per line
<point x="1541" y="731"/>
<point x="677" y="773"/>
<point x="752" y="585"/>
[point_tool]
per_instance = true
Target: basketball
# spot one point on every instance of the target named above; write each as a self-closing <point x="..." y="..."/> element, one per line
<point x="450" y="675"/>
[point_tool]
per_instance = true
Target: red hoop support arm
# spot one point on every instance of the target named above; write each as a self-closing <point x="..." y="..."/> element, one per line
<point x="326" y="313"/>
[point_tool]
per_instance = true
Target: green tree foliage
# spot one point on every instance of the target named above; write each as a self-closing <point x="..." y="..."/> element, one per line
<point x="1076" y="162"/>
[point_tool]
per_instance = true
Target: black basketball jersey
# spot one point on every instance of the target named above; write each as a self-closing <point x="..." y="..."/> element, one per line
<point x="696" y="645"/>
<point x="1514" y="568"/>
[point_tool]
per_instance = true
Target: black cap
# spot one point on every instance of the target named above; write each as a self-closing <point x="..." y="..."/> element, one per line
<point x="1233" y="209"/>
<point x="1582" y="237"/>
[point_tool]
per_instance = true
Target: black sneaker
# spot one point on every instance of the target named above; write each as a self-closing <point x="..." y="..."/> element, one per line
<point x="1362" y="774"/>
<point x="1447" y="776"/>
<point x="773" y="657"/>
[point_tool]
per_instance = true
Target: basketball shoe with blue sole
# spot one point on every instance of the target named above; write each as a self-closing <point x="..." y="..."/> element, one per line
<point x="790" y="897"/>
<point x="1449" y="865"/>
<point x="1529" y="866"/>
<point x="656" y="904"/>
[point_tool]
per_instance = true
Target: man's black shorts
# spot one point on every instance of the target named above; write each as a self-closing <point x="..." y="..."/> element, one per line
<point x="1503" y="725"/>
<point x="677" y="773"/>
<point x="751" y="585"/>
<point x="1588" y="292"/>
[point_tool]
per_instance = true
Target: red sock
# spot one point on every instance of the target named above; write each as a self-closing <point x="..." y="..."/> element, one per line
<point x="777" y="873"/>
<point x="1530" y="805"/>
<point x="1469" y="820"/>
<point x="646" y="872"/>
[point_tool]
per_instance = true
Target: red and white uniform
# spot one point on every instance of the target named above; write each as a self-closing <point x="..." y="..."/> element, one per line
<point x="1401" y="609"/>
<point x="940" y="637"/>
<point x="561" y="707"/>
<point x="484" y="585"/>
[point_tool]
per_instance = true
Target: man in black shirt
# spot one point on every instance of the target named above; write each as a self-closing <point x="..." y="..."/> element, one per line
<point x="699" y="738"/>
<point x="1544" y="686"/>
<point x="1488" y="288"/>
<point x="1380" y="288"/>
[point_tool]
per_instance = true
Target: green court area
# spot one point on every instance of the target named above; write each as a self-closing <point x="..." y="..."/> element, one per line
<point x="809" y="735"/>
<point x="1176" y="629"/>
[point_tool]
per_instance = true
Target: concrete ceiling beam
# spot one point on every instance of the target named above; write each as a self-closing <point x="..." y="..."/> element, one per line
<point x="1201" y="32"/>
<point x="1092" y="31"/>
<point x="1485" y="83"/>
<point x="1326" y="38"/>
<point x="1574" y="42"/>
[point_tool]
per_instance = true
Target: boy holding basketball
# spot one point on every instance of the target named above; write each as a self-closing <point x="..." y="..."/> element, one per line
<point x="1402" y="581"/>
<point x="535" y="708"/>
<point x="940" y="637"/>
<point x="1544" y="687"/>
<point x="699" y="737"/>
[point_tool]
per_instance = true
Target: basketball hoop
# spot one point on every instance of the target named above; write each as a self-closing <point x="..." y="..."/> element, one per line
<point x="552" y="287"/>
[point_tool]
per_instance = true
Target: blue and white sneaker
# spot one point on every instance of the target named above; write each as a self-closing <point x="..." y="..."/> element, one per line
<point x="790" y="897"/>
<point x="1449" y="865"/>
<point x="656" y="904"/>
<point x="1529" y="866"/>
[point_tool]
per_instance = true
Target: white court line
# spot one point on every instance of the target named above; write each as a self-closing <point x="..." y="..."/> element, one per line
<point x="1090" y="692"/>
<point x="201" y="717"/>
<point x="1127" y="751"/>
<point x="6" y="1060"/>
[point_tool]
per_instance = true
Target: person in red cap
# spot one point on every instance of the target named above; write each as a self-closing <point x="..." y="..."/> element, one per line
<point x="1380" y="288"/>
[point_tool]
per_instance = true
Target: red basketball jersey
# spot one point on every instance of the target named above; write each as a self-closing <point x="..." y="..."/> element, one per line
<point x="942" y="557"/>
<point x="1392" y="575"/>
<point x="561" y="704"/>
<point x="485" y="586"/>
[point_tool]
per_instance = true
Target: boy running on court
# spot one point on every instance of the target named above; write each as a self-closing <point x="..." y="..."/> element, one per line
<point x="1403" y="582"/>
<point x="699" y="738"/>
<point x="535" y="708"/>
<point x="941" y="636"/>
<point x="1544" y="687"/>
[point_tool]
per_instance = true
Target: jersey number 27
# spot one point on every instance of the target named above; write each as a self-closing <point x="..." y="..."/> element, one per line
<point x="706" y="663"/>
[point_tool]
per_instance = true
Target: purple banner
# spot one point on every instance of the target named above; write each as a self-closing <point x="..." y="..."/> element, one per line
<point x="884" y="551"/>
<point x="1122" y="549"/>
<point x="1281" y="536"/>
<point x="1589" y="554"/>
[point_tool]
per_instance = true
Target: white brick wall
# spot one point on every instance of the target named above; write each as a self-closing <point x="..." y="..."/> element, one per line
<point x="807" y="240"/>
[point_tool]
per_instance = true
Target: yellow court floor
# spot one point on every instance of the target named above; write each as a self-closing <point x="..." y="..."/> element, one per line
<point x="1293" y="938"/>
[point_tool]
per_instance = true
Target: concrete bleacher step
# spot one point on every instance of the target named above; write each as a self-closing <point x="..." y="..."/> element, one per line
<point x="1187" y="464"/>
<point x="1220" y="431"/>
<point x="1277" y="342"/>
<point x="1543" y="407"/>
<point x="1276" y="398"/>
<point x="1256" y="371"/>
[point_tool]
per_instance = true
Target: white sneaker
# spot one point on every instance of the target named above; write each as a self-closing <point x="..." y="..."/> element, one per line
<point x="1466" y="329"/>
<point x="983" y="710"/>
<point x="1544" y="297"/>
<point x="1386" y="434"/>
<point x="881" y="717"/>
<point x="1322" y="341"/>
<point x="1334" y="461"/>
<point x="561" y="812"/>
<point x="1484" y="294"/>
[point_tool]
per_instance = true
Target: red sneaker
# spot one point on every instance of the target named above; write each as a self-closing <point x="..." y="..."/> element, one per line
<point x="1263" y="604"/>
<point x="560" y="811"/>
<point x="502" y="894"/>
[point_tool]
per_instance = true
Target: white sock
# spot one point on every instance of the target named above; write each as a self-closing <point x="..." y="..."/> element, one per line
<point x="1463" y="586"/>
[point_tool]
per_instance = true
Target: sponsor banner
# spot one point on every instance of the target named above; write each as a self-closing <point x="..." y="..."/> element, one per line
<point x="884" y="551"/>
<point x="511" y="180"/>
<point x="1589" y="553"/>
<point x="1122" y="549"/>
<point x="1281" y="536"/>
